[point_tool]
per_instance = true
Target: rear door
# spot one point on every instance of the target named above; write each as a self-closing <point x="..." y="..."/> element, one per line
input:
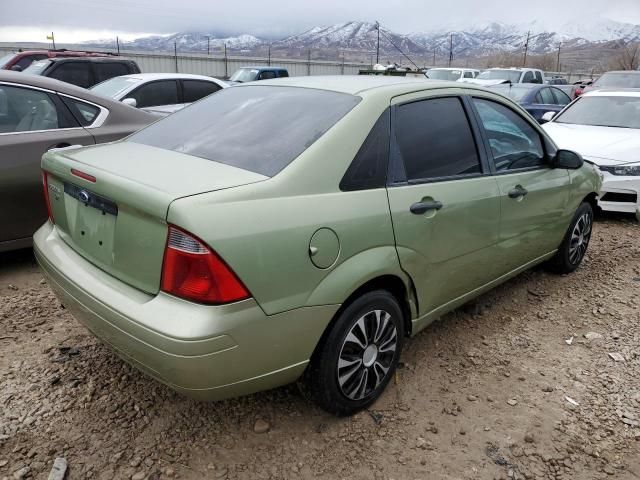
<point x="32" y="121"/>
<point x="533" y="196"/>
<point x="445" y="205"/>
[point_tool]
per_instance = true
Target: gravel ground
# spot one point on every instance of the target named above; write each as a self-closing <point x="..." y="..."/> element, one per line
<point x="538" y="379"/>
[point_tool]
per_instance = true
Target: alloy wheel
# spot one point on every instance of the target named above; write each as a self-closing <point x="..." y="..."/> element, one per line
<point x="367" y="354"/>
<point x="580" y="237"/>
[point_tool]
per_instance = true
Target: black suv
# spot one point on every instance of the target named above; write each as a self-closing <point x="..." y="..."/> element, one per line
<point x="83" y="72"/>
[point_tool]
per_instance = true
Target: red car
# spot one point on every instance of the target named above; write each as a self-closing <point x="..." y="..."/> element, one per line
<point x="20" y="60"/>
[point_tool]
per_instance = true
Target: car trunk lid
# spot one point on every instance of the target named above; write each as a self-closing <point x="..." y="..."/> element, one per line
<point x="110" y="202"/>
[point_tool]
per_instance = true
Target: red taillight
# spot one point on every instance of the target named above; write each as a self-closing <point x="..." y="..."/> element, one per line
<point x="192" y="271"/>
<point x="47" y="200"/>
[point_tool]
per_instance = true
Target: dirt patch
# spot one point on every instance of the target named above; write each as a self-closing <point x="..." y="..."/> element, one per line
<point x="520" y="384"/>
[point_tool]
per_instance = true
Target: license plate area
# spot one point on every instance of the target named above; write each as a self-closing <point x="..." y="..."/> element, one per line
<point x="91" y="220"/>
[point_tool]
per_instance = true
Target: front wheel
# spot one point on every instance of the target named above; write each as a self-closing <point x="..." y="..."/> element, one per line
<point x="358" y="356"/>
<point x="575" y="243"/>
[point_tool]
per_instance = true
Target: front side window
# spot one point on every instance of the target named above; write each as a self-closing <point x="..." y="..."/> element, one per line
<point x="163" y="92"/>
<point x="257" y="128"/>
<point x="515" y="144"/>
<point x="194" y="90"/>
<point x="435" y="140"/>
<point x="76" y="73"/>
<point x="267" y="75"/>
<point x="27" y="110"/>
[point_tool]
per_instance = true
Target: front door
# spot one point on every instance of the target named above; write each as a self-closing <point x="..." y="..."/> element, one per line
<point x="533" y="196"/>
<point x="31" y="122"/>
<point x="445" y="206"/>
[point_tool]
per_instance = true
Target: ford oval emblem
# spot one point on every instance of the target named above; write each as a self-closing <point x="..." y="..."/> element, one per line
<point x="83" y="196"/>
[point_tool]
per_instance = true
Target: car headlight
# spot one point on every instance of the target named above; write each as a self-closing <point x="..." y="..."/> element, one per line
<point x="628" y="170"/>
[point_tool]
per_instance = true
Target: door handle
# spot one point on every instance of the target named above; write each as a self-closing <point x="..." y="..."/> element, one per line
<point x="419" y="208"/>
<point x="518" y="191"/>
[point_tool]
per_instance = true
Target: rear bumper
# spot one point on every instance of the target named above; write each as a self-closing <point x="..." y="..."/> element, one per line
<point x="624" y="193"/>
<point x="207" y="352"/>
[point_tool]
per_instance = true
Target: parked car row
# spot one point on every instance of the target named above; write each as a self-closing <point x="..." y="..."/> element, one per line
<point x="225" y="253"/>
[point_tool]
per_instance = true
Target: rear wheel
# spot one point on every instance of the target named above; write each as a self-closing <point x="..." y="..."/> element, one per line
<point x="359" y="355"/>
<point x="575" y="243"/>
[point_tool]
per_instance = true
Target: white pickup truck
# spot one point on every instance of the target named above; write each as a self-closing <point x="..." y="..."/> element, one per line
<point x="495" y="76"/>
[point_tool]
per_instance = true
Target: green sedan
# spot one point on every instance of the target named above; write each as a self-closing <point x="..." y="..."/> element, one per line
<point x="303" y="228"/>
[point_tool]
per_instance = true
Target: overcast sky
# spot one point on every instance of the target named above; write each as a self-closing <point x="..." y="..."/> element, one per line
<point x="73" y="20"/>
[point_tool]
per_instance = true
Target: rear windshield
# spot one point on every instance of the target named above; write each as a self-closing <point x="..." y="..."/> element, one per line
<point x="436" y="74"/>
<point x="113" y="87"/>
<point x="614" y="111"/>
<point x="257" y="128"/>
<point x="4" y="60"/>
<point x="512" y="75"/>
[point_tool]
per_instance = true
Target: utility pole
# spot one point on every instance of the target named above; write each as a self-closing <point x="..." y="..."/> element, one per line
<point x="526" y="48"/>
<point x="378" y="44"/>
<point x="558" y="63"/>
<point x="118" y="45"/>
<point x="450" y="48"/>
<point x="269" y="58"/>
<point x="434" y="59"/>
<point x="53" y="40"/>
<point x="208" y="44"/>
<point x="309" y="62"/>
<point x="175" y="53"/>
<point x="342" y="70"/>
<point x="226" y="63"/>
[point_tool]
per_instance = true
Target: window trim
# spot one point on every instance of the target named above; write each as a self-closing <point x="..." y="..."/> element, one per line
<point x="485" y="137"/>
<point x="396" y="163"/>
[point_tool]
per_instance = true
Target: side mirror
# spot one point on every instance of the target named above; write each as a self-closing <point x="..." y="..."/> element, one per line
<point x="547" y="117"/>
<point x="130" y="101"/>
<point x="16" y="68"/>
<point x="567" y="159"/>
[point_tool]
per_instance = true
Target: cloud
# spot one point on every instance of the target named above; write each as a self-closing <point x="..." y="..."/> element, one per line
<point x="277" y="18"/>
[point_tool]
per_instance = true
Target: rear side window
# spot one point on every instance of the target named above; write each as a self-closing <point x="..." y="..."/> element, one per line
<point x="163" y="92"/>
<point x="257" y="128"/>
<point x="545" y="97"/>
<point x="267" y="75"/>
<point x="528" y="77"/>
<point x="194" y="90"/>
<point x="369" y="167"/>
<point x="283" y="73"/>
<point x="106" y="70"/>
<point x="538" y="78"/>
<point x="435" y="139"/>
<point x="85" y="113"/>
<point x="561" y="97"/>
<point x="76" y="73"/>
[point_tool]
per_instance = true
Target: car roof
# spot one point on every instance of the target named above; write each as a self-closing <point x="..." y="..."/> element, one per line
<point x="358" y="84"/>
<point x="38" y="81"/>
<point x="454" y="68"/>
<point x="145" y="77"/>
<point x="89" y="58"/>
<point x="613" y="92"/>
<point x="262" y="67"/>
<point x="632" y="72"/>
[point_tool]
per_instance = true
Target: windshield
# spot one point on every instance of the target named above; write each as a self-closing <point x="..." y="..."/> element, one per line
<point x="436" y="74"/>
<point x="4" y="60"/>
<point x="514" y="92"/>
<point x="115" y="87"/>
<point x="245" y="75"/>
<point x="603" y="112"/>
<point x="36" y="68"/>
<point x="258" y="128"/>
<point x="619" y="80"/>
<point x="512" y="75"/>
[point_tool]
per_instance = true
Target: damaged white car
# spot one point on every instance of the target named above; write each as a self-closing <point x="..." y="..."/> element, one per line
<point x="604" y="126"/>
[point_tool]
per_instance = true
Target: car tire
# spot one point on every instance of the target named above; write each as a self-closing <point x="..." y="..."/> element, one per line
<point x="575" y="243"/>
<point x="357" y="356"/>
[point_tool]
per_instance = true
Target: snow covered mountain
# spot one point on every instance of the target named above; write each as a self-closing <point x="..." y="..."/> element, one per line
<point x="482" y="38"/>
